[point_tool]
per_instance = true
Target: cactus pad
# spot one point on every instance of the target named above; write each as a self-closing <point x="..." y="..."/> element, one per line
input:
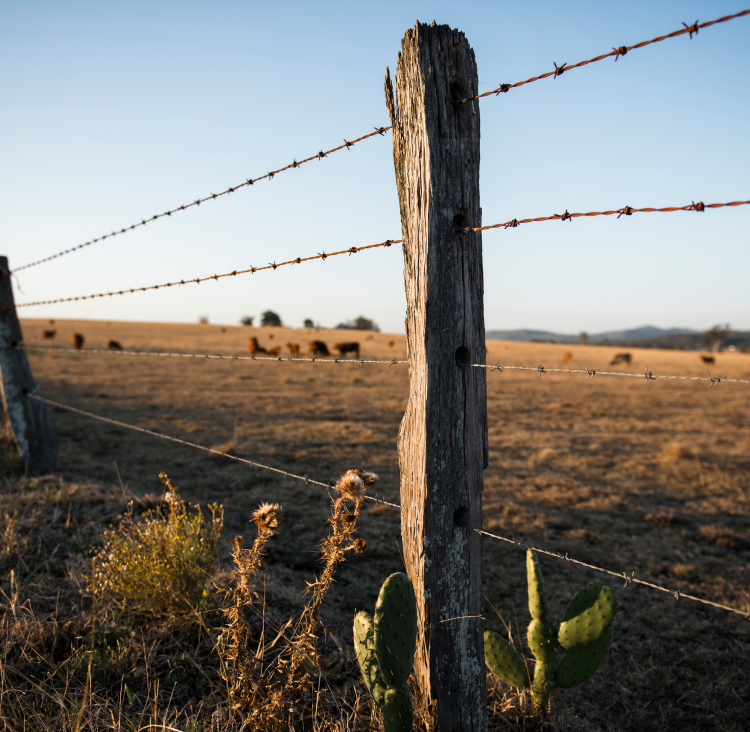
<point x="395" y="629"/>
<point x="543" y="687"/>
<point x="364" y="644"/>
<point x="589" y="614"/>
<point x="580" y="662"/>
<point x="505" y="661"/>
<point x="542" y="638"/>
<point x="397" y="714"/>
<point x="537" y="595"/>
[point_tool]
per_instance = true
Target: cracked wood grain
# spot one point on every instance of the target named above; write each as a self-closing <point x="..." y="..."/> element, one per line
<point x="443" y="436"/>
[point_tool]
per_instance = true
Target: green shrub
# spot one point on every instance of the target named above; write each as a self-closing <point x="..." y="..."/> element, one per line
<point x="158" y="564"/>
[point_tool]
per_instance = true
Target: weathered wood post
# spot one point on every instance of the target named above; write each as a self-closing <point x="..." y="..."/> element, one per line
<point x="32" y="428"/>
<point x="443" y="437"/>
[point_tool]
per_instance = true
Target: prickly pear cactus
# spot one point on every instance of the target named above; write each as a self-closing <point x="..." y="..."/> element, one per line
<point x="385" y="647"/>
<point x="537" y="595"/>
<point x="585" y="633"/>
<point x="364" y="645"/>
<point x="589" y="614"/>
<point x="396" y="629"/>
<point x="505" y="661"/>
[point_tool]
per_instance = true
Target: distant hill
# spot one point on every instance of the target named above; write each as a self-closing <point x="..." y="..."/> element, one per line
<point x="645" y="336"/>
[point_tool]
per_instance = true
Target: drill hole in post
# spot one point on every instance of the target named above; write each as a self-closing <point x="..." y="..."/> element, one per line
<point x="463" y="357"/>
<point x="459" y="221"/>
<point x="461" y="517"/>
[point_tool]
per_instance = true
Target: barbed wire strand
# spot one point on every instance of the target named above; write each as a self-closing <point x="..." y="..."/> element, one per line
<point x="248" y="182"/>
<point x="211" y="450"/>
<point x="221" y="357"/>
<point x="624" y="211"/>
<point x="616" y="52"/>
<point x="198" y="280"/>
<point x="629" y="578"/>
<point x="700" y="207"/>
<point x="590" y="373"/>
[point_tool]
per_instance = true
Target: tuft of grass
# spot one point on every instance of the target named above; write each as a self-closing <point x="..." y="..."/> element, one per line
<point x="676" y="451"/>
<point x="158" y="564"/>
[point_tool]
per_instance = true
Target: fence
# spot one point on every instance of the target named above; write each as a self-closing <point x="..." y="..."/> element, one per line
<point x="435" y="140"/>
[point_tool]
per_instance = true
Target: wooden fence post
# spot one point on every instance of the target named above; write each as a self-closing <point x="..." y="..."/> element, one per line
<point x="443" y="437"/>
<point x="32" y="428"/>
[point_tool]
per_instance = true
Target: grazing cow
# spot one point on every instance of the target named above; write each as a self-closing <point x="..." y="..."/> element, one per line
<point x="274" y="351"/>
<point x="318" y="348"/>
<point x="343" y="348"/>
<point x="254" y="347"/>
<point x="621" y="358"/>
<point x="293" y="348"/>
<point x="568" y="357"/>
<point x="708" y="359"/>
<point x="77" y="341"/>
<point x="391" y="343"/>
<point x="49" y="334"/>
<point x="114" y="345"/>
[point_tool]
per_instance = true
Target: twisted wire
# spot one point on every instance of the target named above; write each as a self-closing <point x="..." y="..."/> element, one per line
<point x="624" y="211"/>
<point x="517" y="542"/>
<point x="616" y="52"/>
<point x="647" y="375"/>
<point x="198" y="280"/>
<point x="250" y="181"/>
<point x="622" y="575"/>
<point x="590" y="373"/>
<point x="700" y="207"/>
<point x="216" y="356"/>
<point x="211" y="450"/>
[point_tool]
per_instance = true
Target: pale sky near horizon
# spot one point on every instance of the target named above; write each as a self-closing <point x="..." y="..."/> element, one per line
<point x="115" y="112"/>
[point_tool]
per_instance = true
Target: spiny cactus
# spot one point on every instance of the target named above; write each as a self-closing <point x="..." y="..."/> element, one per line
<point x="585" y="633"/>
<point x="385" y="648"/>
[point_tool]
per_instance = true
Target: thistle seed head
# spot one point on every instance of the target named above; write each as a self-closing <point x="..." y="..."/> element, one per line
<point x="367" y="478"/>
<point x="267" y="516"/>
<point x="351" y="485"/>
<point x="359" y="545"/>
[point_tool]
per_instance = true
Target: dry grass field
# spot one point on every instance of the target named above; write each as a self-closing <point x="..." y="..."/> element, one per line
<point x="633" y="476"/>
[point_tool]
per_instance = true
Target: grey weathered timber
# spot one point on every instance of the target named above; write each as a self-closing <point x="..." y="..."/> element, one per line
<point x="443" y="437"/>
<point x="32" y="428"/>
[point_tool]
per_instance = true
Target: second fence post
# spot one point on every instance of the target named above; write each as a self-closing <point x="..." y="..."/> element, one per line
<point x="443" y="437"/>
<point x="33" y="432"/>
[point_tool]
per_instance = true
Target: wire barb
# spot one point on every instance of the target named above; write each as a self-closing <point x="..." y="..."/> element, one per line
<point x="616" y="52"/>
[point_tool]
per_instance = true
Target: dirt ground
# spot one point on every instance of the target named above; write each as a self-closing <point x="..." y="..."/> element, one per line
<point x="632" y="476"/>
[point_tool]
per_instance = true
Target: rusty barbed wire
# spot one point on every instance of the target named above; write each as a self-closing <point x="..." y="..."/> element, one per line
<point x="248" y="182"/>
<point x="591" y="373"/>
<point x="616" y="52"/>
<point x="628" y="578"/>
<point x="198" y="280"/>
<point x="211" y="450"/>
<point x="624" y="211"/>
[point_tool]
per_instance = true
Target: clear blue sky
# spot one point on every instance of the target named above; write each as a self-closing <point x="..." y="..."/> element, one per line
<point x="113" y="112"/>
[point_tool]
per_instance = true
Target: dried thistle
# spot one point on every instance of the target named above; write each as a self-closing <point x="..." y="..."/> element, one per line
<point x="244" y="672"/>
<point x="267" y="516"/>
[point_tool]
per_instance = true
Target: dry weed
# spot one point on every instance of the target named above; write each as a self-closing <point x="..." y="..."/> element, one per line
<point x="272" y="690"/>
<point x="158" y="564"/>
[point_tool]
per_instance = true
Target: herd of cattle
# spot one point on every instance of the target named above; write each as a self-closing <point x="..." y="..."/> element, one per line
<point x="320" y="348"/>
<point x="314" y="348"/>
